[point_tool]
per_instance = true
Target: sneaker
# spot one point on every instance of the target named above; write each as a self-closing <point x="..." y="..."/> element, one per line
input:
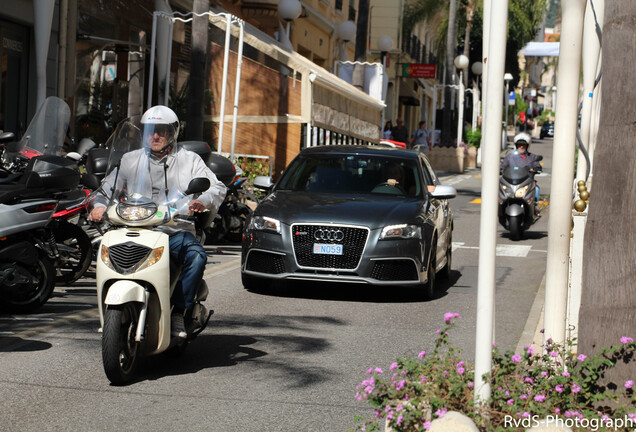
<point x="177" y="328"/>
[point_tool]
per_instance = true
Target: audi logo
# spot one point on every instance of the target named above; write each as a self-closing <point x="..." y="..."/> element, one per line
<point x="329" y="234"/>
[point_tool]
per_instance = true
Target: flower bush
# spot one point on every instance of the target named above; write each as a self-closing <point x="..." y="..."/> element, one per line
<point x="529" y="385"/>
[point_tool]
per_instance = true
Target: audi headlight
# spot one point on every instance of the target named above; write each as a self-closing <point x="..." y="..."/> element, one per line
<point x="264" y="223"/>
<point x="136" y="212"/>
<point x="521" y="192"/>
<point x="401" y="231"/>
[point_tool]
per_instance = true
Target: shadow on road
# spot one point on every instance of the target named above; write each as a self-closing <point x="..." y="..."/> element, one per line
<point x="356" y="292"/>
<point x="527" y="235"/>
<point x="17" y="344"/>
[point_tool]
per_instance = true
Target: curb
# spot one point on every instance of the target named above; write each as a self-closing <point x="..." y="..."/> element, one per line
<point x="531" y="335"/>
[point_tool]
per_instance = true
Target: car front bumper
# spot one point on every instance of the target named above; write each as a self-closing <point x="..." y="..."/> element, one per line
<point x="381" y="262"/>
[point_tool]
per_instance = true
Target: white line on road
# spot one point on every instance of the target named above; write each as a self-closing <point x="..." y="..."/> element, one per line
<point x="10" y="318"/>
<point x="503" y="250"/>
<point x="450" y="181"/>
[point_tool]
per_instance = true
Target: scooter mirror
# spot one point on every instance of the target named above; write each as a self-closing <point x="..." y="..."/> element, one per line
<point x="539" y="158"/>
<point x="6" y="136"/>
<point x="198" y="185"/>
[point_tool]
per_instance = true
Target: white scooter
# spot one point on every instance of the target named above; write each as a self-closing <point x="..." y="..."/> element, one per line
<point x="136" y="279"/>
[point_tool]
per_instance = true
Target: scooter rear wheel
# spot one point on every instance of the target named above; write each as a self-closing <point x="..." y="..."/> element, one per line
<point x="76" y="252"/>
<point x="33" y="296"/>
<point x="120" y="351"/>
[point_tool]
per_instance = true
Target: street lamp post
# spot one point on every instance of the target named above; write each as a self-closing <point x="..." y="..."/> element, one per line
<point x="477" y="69"/>
<point x="461" y="63"/>
<point x="554" y="90"/>
<point x="288" y="10"/>
<point x="507" y="78"/>
<point x="346" y="32"/>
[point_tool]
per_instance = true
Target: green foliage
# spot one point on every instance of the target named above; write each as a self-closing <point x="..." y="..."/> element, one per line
<point x="473" y="137"/>
<point x="520" y="104"/>
<point x="528" y="385"/>
<point x="253" y="167"/>
<point x="545" y="115"/>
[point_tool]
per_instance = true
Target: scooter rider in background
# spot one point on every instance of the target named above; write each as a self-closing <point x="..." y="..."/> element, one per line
<point x="522" y="158"/>
<point x="171" y="168"/>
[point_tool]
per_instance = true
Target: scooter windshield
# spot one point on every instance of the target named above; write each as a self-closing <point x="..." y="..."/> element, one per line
<point x="516" y="174"/>
<point x="135" y="173"/>
<point x="46" y="132"/>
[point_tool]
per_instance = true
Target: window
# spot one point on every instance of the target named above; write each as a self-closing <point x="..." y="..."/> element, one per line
<point x="339" y="5"/>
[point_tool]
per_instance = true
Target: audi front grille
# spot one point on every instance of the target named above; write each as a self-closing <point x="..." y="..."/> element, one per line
<point x="125" y="256"/>
<point x="352" y="239"/>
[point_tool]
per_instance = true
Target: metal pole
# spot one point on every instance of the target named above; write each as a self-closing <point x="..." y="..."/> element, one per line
<point x="506" y="103"/>
<point x="166" y="93"/>
<point x="460" y="114"/>
<point x="153" y="47"/>
<point x="591" y="51"/>
<point x="557" y="270"/>
<point x="489" y="202"/>
<point x="484" y="61"/>
<point x="226" y="60"/>
<point x="238" y="85"/>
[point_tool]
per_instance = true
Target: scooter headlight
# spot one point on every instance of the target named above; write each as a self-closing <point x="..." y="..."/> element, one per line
<point x="521" y="192"/>
<point x="136" y="212"/>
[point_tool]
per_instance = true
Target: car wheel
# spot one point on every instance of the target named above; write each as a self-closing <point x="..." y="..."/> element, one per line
<point x="430" y="288"/>
<point x="445" y="273"/>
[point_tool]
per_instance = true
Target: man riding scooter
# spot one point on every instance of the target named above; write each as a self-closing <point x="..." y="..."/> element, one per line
<point x="523" y="158"/>
<point x="161" y="159"/>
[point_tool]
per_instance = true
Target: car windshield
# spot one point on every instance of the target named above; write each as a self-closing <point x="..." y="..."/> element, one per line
<point x="357" y="173"/>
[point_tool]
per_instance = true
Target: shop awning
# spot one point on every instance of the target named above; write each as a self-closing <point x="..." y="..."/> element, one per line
<point x="408" y="95"/>
<point x="540" y="49"/>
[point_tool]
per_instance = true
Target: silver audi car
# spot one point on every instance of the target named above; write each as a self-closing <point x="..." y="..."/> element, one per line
<point x="351" y="214"/>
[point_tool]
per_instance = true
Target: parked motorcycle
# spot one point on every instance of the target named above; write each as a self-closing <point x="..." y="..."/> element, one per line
<point x="134" y="277"/>
<point x="34" y="176"/>
<point x="228" y="223"/>
<point x="517" y="200"/>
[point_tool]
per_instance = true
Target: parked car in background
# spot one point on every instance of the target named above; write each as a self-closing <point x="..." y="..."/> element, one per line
<point x="547" y="130"/>
<point x="356" y="214"/>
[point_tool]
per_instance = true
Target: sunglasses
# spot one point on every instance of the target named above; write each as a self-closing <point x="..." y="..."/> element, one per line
<point x="161" y="130"/>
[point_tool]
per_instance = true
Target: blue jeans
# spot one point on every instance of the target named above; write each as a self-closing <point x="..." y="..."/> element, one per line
<point x="188" y="252"/>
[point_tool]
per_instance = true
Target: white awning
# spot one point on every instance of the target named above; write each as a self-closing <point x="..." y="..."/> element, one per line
<point x="540" y="49"/>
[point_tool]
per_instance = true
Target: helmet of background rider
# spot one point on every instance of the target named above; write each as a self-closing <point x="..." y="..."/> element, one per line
<point x="162" y="121"/>
<point x="522" y="138"/>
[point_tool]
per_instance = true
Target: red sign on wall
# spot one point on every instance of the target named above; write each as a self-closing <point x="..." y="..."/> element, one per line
<point x="416" y="70"/>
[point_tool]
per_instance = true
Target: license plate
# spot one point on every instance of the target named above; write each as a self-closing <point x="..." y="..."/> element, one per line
<point x="327" y="249"/>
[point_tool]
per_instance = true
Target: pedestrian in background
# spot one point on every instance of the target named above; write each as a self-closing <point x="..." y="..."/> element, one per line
<point x="421" y="137"/>
<point x="399" y="132"/>
<point x="387" y="130"/>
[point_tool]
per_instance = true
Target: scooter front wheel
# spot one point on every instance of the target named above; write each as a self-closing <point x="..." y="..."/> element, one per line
<point x="515" y="228"/>
<point x="120" y="351"/>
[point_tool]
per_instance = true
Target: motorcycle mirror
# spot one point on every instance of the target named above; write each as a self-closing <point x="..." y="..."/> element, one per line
<point x="6" y="136"/>
<point x="90" y="181"/>
<point x="198" y="185"/>
<point x="74" y="155"/>
<point x="85" y="145"/>
<point x="263" y="182"/>
<point x="539" y="158"/>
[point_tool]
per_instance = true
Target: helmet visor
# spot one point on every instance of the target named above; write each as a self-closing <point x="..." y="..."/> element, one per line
<point x="158" y="136"/>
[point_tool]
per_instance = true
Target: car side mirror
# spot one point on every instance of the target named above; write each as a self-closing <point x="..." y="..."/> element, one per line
<point x="444" y="192"/>
<point x="198" y="185"/>
<point x="263" y="182"/>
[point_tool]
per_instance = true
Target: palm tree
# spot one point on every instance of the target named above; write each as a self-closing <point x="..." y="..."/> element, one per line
<point x="608" y="297"/>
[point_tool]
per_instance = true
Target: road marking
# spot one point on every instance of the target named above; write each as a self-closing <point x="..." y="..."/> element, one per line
<point x="450" y="181"/>
<point x="476" y="201"/>
<point x="11" y="318"/>
<point x="503" y="250"/>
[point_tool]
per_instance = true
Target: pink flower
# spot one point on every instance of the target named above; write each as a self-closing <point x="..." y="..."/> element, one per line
<point x="470" y="384"/>
<point x="427" y="425"/>
<point x="370" y="371"/>
<point x="544" y="373"/>
<point x="394" y="366"/>
<point x="399" y="408"/>
<point x="422" y="354"/>
<point x="575" y="388"/>
<point x="510" y="401"/>
<point x="554" y="353"/>
<point x="539" y="398"/>
<point x="629" y="384"/>
<point x="448" y="316"/>
<point x="625" y="340"/>
<point x="441" y="412"/>
<point x="399" y="420"/>
<point x="581" y="357"/>
<point x="379" y="370"/>
<point x="529" y="350"/>
<point x="528" y="380"/>
<point x="565" y="373"/>
<point x="400" y="385"/>
<point x="559" y="388"/>
<point x="524" y="397"/>
<point x="516" y="358"/>
<point x="460" y="370"/>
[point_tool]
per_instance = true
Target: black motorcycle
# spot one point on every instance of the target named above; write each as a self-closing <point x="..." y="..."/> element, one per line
<point x="517" y="200"/>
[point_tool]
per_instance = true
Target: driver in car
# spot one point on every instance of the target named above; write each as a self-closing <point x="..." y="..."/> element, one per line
<point x="169" y="168"/>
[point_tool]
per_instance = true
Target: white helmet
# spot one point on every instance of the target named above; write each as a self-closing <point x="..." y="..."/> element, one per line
<point x="162" y="115"/>
<point x="523" y="137"/>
